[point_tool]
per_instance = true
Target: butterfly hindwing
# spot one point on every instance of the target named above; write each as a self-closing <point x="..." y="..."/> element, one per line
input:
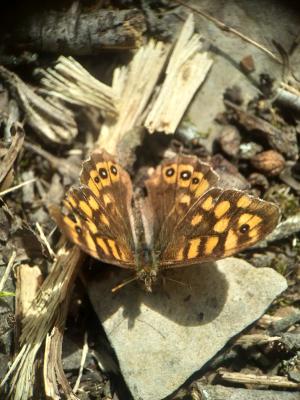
<point x="220" y="224"/>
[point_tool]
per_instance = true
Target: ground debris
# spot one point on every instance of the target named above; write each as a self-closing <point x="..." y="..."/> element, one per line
<point x="78" y="31"/>
<point x="280" y="139"/>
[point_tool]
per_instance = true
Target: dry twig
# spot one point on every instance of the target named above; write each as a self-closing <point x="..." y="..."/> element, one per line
<point x="52" y="122"/>
<point x="274" y="381"/>
<point x="218" y="392"/>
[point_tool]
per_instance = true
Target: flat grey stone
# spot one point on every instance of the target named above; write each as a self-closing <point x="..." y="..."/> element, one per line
<point x="162" y="338"/>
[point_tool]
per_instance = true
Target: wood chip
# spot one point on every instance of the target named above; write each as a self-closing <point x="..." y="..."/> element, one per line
<point x="134" y="85"/>
<point x="186" y="71"/>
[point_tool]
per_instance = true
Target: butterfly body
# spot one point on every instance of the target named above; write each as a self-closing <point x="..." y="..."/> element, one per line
<point x="185" y="218"/>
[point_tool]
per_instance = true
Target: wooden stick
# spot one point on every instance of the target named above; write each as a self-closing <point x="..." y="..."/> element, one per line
<point x="252" y="379"/>
<point x="218" y="392"/>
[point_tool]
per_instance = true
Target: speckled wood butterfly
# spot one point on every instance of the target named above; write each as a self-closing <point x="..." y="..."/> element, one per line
<point x="184" y="219"/>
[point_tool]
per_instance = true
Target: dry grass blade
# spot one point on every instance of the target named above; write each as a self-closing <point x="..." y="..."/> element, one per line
<point x="14" y="188"/>
<point x="82" y="362"/>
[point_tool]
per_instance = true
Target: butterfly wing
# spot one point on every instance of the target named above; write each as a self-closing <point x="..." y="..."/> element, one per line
<point x="97" y="216"/>
<point x="172" y="190"/>
<point x="203" y="222"/>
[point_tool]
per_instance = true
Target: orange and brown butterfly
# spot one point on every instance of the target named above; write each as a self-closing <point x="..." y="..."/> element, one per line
<point x="185" y="218"/>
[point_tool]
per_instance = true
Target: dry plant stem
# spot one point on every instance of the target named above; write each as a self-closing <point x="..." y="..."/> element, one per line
<point x="70" y="82"/>
<point x="290" y="88"/>
<point x="7" y="270"/>
<point x="11" y="155"/>
<point x="134" y="85"/>
<point x="186" y="71"/>
<point x="274" y="381"/>
<point x="40" y="319"/>
<point x="288" y="99"/>
<point x="13" y="118"/>
<point x="28" y="282"/>
<point x="45" y="241"/>
<point x="227" y="28"/>
<point x="55" y="381"/>
<point x="255" y="339"/>
<point x="14" y="188"/>
<point x="266" y="320"/>
<point x="52" y="123"/>
<point x="218" y="392"/>
<point x="82" y="362"/>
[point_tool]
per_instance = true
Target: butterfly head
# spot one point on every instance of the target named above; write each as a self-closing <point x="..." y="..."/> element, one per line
<point x="148" y="276"/>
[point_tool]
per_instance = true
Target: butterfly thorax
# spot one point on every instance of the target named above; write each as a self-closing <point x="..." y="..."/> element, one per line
<point x="147" y="267"/>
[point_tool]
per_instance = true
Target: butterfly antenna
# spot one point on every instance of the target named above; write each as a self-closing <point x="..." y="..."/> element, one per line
<point x="123" y="284"/>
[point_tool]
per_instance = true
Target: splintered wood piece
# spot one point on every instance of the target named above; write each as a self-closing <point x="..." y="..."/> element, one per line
<point x="52" y="122"/>
<point x="47" y="311"/>
<point x="70" y="82"/>
<point x="186" y="70"/>
<point x="134" y="85"/>
<point x="6" y="164"/>
<point x="28" y="282"/>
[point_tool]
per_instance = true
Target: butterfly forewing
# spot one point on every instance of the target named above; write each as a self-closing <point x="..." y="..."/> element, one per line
<point x="98" y="215"/>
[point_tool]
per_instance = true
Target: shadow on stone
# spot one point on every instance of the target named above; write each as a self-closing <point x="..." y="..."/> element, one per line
<point x="189" y="296"/>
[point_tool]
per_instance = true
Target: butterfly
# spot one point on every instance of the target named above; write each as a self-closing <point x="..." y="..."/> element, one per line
<point x="185" y="218"/>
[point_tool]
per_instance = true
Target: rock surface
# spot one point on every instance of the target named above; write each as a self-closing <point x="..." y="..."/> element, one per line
<point x="162" y="338"/>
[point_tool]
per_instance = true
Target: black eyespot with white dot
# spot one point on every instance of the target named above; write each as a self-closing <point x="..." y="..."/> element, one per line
<point x="185" y="175"/>
<point x="170" y="172"/>
<point x="78" y="229"/>
<point x="244" y="228"/>
<point x="195" y="181"/>
<point x="103" y="173"/>
<point x="97" y="180"/>
<point x="72" y="218"/>
<point x="113" y="170"/>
